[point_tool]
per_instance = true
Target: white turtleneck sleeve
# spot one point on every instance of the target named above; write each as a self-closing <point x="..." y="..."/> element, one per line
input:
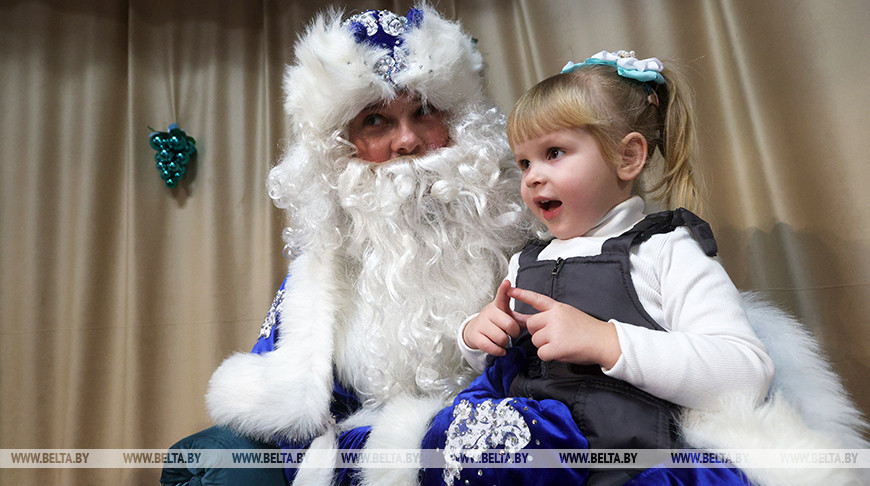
<point x="709" y="349"/>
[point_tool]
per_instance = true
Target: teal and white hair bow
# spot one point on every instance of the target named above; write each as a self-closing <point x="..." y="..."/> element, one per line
<point x="627" y="65"/>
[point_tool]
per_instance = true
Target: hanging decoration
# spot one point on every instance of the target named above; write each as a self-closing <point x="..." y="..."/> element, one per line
<point x="174" y="150"/>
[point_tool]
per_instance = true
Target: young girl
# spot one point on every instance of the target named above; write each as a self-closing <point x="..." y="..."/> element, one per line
<point x="621" y="318"/>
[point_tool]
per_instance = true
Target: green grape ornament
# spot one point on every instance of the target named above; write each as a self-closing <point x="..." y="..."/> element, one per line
<point x="174" y="150"/>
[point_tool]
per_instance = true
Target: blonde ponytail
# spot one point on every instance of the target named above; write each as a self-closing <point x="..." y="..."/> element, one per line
<point x="678" y="185"/>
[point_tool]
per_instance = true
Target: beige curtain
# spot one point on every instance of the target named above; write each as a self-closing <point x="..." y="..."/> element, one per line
<point x="119" y="296"/>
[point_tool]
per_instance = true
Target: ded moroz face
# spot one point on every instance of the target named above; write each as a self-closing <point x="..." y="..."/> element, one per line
<point x="404" y="126"/>
<point x="567" y="182"/>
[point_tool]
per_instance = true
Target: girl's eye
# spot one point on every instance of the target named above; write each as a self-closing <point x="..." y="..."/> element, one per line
<point x="554" y="153"/>
<point x="524" y="164"/>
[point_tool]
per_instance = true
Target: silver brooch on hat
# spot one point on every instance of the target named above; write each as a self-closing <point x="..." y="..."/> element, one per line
<point x="384" y="29"/>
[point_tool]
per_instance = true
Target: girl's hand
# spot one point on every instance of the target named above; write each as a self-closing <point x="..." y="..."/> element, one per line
<point x="492" y="329"/>
<point x="564" y="333"/>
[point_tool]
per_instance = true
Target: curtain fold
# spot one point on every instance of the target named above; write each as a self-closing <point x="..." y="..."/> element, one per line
<point x="119" y="296"/>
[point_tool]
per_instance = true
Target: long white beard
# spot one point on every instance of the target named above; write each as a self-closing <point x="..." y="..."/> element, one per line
<point x="425" y="241"/>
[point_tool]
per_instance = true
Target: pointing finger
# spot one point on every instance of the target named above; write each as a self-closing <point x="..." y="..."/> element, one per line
<point x="538" y="301"/>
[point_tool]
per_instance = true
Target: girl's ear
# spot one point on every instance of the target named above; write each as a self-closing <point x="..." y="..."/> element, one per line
<point x="633" y="156"/>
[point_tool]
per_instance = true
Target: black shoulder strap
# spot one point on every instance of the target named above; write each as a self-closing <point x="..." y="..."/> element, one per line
<point x="664" y="222"/>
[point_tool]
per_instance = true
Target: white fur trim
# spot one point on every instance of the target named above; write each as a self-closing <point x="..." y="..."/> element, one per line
<point x="320" y="461"/>
<point x="332" y="78"/>
<point x="803" y="375"/>
<point x="285" y="392"/>
<point x="402" y="425"/>
<point x="807" y="406"/>
<point x="738" y="424"/>
<point x="443" y="67"/>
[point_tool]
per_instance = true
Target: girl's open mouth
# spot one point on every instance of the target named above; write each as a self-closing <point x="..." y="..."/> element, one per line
<point x="550" y="208"/>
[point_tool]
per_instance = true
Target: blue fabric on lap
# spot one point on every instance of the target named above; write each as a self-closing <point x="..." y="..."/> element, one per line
<point x="549" y="423"/>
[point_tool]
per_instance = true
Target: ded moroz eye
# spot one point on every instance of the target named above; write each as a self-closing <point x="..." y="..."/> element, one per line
<point x="373" y="120"/>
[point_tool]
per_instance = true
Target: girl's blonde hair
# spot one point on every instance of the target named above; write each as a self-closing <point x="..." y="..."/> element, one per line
<point x="609" y="106"/>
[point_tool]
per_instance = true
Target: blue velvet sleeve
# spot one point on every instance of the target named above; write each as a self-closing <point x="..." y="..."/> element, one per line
<point x="269" y="330"/>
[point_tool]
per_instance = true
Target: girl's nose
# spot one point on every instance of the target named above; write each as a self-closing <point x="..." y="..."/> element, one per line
<point x="533" y="175"/>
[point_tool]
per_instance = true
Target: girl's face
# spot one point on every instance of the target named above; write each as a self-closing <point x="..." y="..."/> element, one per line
<point x="567" y="182"/>
<point x="404" y="126"/>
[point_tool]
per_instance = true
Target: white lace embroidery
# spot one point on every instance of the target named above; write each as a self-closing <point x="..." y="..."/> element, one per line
<point x="476" y="429"/>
